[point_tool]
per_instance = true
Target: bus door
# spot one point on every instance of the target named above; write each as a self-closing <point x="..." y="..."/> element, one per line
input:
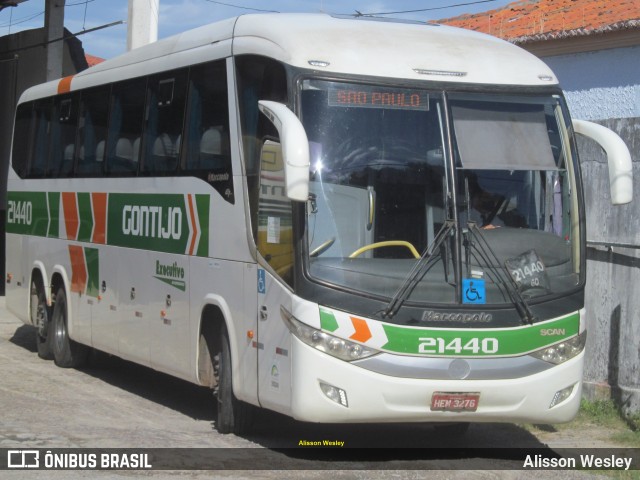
<point x="275" y="245"/>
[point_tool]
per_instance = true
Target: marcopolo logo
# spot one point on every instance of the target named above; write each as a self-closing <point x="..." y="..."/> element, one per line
<point x="458" y="317"/>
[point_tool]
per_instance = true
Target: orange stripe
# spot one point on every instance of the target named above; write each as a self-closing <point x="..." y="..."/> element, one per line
<point x="193" y="223"/>
<point x="362" y="330"/>
<point x="64" y="86"/>
<point x="71" y="220"/>
<point x="78" y="269"/>
<point x="99" y="203"/>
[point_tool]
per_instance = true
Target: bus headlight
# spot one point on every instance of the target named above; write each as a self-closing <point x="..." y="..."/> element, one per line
<point x="334" y="346"/>
<point x="561" y="352"/>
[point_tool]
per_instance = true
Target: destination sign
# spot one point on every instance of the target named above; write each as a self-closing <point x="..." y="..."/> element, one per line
<point x="372" y="97"/>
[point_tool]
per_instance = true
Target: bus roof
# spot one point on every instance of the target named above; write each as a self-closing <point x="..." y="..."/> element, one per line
<point x="332" y="44"/>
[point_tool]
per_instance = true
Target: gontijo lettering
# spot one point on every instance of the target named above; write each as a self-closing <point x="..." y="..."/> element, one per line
<point x="146" y="221"/>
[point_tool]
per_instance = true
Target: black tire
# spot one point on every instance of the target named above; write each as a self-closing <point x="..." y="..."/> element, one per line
<point x="66" y="352"/>
<point x="42" y="321"/>
<point x="234" y="416"/>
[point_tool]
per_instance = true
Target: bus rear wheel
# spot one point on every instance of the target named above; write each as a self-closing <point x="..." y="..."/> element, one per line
<point x="41" y="318"/>
<point x="66" y="352"/>
<point x="234" y="416"/>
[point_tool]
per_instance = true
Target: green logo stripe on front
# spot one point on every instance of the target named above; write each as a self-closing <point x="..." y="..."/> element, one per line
<point x="480" y="342"/>
<point x="328" y="321"/>
<point x="463" y="342"/>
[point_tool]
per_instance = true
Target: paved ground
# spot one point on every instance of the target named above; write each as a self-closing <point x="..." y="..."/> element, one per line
<point x="116" y="404"/>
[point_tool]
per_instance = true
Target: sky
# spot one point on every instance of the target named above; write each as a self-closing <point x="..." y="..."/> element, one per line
<point x="176" y="16"/>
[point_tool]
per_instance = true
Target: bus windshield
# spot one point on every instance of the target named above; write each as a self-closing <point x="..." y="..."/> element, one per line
<point x="384" y="183"/>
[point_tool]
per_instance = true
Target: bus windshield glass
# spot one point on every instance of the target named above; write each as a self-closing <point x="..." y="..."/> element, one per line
<point x="382" y="186"/>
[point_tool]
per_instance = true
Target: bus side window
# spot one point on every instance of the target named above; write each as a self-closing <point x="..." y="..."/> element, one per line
<point x="40" y="139"/>
<point x="164" y="122"/>
<point x="21" y="143"/>
<point x="207" y="153"/>
<point x="92" y="131"/>
<point x="259" y="78"/>
<point x="125" y="127"/>
<point x="63" y="148"/>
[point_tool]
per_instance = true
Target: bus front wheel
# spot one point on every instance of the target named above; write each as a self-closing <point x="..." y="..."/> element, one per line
<point x="66" y="352"/>
<point x="234" y="416"/>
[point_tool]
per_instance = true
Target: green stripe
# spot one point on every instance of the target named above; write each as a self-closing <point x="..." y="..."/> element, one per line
<point x="92" y="259"/>
<point x="86" y="217"/>
<point x="157" y="222"/>
<point x="179" y="284"/>
<point x="510" y="342"/>
<point x="328" y="321"/>
<point x="54" y="214"/>
<point x="202" y="204"/>
<point x="465" y="342"/>
<point x="27" y="213"/>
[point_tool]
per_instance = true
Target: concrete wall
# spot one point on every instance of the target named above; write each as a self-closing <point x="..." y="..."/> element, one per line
<point x="604" y="86"/>
<point x="612" y="295"/>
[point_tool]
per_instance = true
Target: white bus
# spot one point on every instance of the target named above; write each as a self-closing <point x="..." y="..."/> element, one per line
<point x="342" y="220"/>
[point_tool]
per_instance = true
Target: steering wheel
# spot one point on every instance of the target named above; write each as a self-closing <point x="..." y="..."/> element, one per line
<point x="323" y="247"/>
<point x="388" y="243"/>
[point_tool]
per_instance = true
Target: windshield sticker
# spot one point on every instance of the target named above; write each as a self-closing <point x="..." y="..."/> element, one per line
<point x="474" y="291"/>
<point x="528" y="271"/>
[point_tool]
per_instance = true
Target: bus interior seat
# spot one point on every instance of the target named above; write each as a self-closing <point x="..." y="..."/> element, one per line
<point x="123" y="158"/>
<point x="164" y="158"/>
<point x="212" y="149"/>
<point x="100" y="151"/>
<point x="67" y="158"/>
<point x="135" y="157"/>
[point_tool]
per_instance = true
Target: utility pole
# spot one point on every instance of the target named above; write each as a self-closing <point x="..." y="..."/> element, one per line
<point x="54" y="29"/>
<point x="142" y="25"/>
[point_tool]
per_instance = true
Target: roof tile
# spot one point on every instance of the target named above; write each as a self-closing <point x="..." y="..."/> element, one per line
<point x="528" y="20"/>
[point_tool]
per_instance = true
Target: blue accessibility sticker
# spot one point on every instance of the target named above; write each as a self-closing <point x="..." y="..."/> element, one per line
<point x="473" y="291"/>
<point x="262" y="288"/>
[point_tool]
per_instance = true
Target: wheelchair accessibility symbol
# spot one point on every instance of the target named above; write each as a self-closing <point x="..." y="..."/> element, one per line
<point x="262" y="288"/>
<point x="473" y="291"/>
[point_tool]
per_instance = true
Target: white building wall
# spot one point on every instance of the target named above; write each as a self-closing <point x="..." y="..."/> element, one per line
<point x="600" y="85"/>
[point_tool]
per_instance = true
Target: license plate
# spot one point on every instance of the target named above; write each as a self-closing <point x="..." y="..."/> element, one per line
<point x="455" y="402"/>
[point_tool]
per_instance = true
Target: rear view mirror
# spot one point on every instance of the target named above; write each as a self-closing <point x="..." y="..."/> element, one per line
<point x="618" y="157"/>
<point x="295" y="148"/>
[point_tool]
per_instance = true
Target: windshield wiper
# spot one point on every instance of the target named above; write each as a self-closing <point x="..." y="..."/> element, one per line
<point x="522" y="307"/>
<point x="420" y="268"/>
